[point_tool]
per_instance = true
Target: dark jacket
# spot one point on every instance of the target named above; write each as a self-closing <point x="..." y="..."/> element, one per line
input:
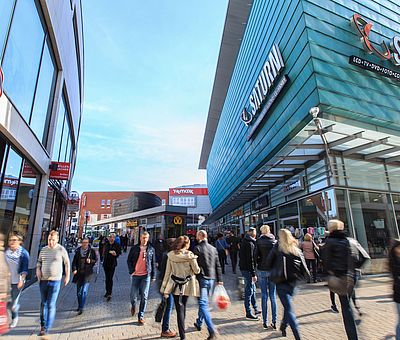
<point x="150" y="260"/>
<point x="109" y="260"/>
<point x="343" y="255"/>
<point x="233" y="243"/>
<point x="264" y="245"/>
<point x="286" y="268"/>
<point x="394" y="267"/>
<point x="160" y="248"/>
<point x="84" y="269"/>
<point x="247" y="259"/>
<point x="208" y="262"/>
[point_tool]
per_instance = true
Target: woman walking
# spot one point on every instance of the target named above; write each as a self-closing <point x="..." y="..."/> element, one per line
<point x="309" y="250"/>
<point x="394" y="266"/>
<point x="180" y="280"/>
<point x="287" y="266"/>
<point x="4" y="288"/>
<point x="17" y="259"/>
<point x="82" y="268"/>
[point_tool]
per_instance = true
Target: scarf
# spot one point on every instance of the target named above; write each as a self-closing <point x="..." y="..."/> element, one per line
<point x="13" y="256"/>
<point x="84" y="252"/>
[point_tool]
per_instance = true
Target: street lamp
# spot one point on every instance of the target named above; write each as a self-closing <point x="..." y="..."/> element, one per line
<point x="87" y="215"/>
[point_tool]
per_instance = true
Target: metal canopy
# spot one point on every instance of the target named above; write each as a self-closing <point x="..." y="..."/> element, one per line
<point x="307" y="148"/>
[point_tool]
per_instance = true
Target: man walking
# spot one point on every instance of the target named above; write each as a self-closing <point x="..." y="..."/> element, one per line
<point x="264" y="244"/>
<point x="247" y="265"/>
<point x="222" y="248"/>
<point x="210" y="270"/>
<point x="111" y="252"/>
<point x="233" y="243"/>
<point x="49" y="272"/>
<point x="141" y="264"/>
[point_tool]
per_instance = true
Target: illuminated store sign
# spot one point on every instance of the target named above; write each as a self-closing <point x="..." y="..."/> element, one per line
<point x="265" y="91"/>
<point x="386" y="51"/>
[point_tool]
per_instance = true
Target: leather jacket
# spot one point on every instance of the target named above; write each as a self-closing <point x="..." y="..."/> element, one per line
<point x="208" y="262"/>
<point x="264" y="243"/>
<point x="247" y="261"/>
<point x="150" y="260"/>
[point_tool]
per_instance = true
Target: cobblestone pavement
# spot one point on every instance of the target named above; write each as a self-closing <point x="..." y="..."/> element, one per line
<point x="112" y="320"/>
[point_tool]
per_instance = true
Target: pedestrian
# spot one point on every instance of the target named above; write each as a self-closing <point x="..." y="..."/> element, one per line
<point x="394" y="267"/>
<point x="247" y="265"/>
<point x="233" y="244"/>
<point x="169" y="302"/>
<point x="287" y="265"/>
<point x="341" y="257"/>
<point x="17" y="258"/>
<point x="160" y="247"/>
<point x="5" y="285"/>
<point x="180" y="279"/>
<point x="264" y="244"/>
<point x="101" y="247"/>
<point x="310" y="251"/>
<point x="222" y="248"/>
<point x="142" y="268"/>
<point x="49" y="271"/>
<point x="112" y="251"/>
<point x="210" y="270"/>
<point x="84" y="260"/>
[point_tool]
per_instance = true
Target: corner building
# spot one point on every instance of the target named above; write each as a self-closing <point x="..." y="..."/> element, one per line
<point x="268" y="159"/>
<point x="41" y="51"/>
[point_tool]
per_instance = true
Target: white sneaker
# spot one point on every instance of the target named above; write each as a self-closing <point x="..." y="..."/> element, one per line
<point x="14" y="323"/>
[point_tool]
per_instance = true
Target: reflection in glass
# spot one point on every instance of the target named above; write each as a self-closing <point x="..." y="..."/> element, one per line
<point x="22" y="56"/>
<point x="43" y="97"/>
<point x="27" y="195"/>
<point x="47" y="216"/>
<point x="59" y="130"/>
<point x="373" y="221"/>
<point x="6" y="7"/>
<point x="9" y="191"/>
<point x="367" y="175"/>
<point x="343" y="208"/>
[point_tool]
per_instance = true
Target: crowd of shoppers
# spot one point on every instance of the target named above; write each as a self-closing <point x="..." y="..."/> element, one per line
<point x="276" y="266"/>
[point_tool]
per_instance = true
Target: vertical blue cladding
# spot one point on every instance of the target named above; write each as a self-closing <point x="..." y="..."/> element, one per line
<point x="232" y="158"/>
<point x="347" y="92"/>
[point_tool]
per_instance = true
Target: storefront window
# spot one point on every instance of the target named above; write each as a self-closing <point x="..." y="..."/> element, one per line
<point x="9" y="191"/>
<point x="343" y="208"/>
<point x="374" y="221"/>
<point x="396" y="204"/>
<point x="367" y="175"/>
<point x="6" y="7"/>
<point x="47" y="215"/>
<point x="22" y="56"/>
<point x="394" y="177"/>
<point x="44" y="95"/>
<point x="26" y="201"/>
<point x="314" y="211"/>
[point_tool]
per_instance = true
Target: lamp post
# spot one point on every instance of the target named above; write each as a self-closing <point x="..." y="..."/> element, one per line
<point x="87" y="215"/>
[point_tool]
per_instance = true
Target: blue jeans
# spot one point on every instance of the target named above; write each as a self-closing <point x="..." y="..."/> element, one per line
<point x="49" y="293"/>
<point x="167" y="313"/>
<point x="204" y="310"/>
<point x="268" y="289"/>
<point x="348" y="317"/>
<point x="398" y="322"/>
<point x="141" y="286"/>
<point x="82" y="288"/>
<point x="285" y="293"/>
<point x="14" y="303"/>
<point x="249" y="292"/>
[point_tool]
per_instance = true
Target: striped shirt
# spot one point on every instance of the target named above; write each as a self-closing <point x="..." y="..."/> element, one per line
<point x="51" y="261"/>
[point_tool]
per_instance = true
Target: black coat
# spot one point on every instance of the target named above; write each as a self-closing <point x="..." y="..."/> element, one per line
<point x="394" y="266"/>
<point x="342" y="255"/>
<point x="265" y="243"/>
<point x="150" y="260"/>
<point x="110" y="261"/>
<point x="208" y="262"/>
<point x="84" y="269"/>
<point x="233" y="243"/>
<point x="247" y="259"/>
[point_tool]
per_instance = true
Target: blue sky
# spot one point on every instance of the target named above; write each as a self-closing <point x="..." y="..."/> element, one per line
<point x="149" y="71"/>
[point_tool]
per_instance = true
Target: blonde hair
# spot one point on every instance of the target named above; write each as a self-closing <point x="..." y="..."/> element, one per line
<point x="145" y="233"/>
<point x="54" y="233"/>
<point x="265" y="229"/>
<point x="335" y="225"/>
<point x="307" y="237"/>
<point x="287" y="243"/>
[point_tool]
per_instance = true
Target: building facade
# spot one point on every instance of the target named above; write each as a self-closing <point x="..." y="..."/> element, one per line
<point x="304" y="124"/>
<point x="41" y="87"/>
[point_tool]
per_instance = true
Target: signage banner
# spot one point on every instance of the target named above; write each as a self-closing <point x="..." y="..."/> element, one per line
<point x="28" y="171"/>
<point x="370" y="66"/>
<point x="294" y="186"/>
<point x="60" y="170"/>
<point x="188" y="192"/>
<point x="260" y="203"/>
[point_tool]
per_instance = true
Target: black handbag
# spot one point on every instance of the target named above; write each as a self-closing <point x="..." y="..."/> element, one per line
<point x="161" y="309"/>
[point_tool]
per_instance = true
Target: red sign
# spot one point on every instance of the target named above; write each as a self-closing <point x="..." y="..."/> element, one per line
<point x="188" y="192"/>
<point x="28" y="171"/>
<point x="60" y="170"/>
<point x="10" y="182"/>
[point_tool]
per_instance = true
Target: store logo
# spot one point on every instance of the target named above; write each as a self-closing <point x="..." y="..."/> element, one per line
<point x="266" y="79"/>
<point x="363" y="29"/>
<point x="183" y="191"/>
<point x="1" y="81"/>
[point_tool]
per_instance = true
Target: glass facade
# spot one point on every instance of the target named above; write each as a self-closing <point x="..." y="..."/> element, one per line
<point x="62" y="141"/>
<point x="28" y="65"/>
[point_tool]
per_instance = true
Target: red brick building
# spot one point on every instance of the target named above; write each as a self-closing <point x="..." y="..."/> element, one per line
<point x="98" y="204"/>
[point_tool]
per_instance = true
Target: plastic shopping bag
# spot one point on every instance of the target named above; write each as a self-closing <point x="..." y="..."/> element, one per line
<point x="3" y="318"/>
<point x="221" y="298"/>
